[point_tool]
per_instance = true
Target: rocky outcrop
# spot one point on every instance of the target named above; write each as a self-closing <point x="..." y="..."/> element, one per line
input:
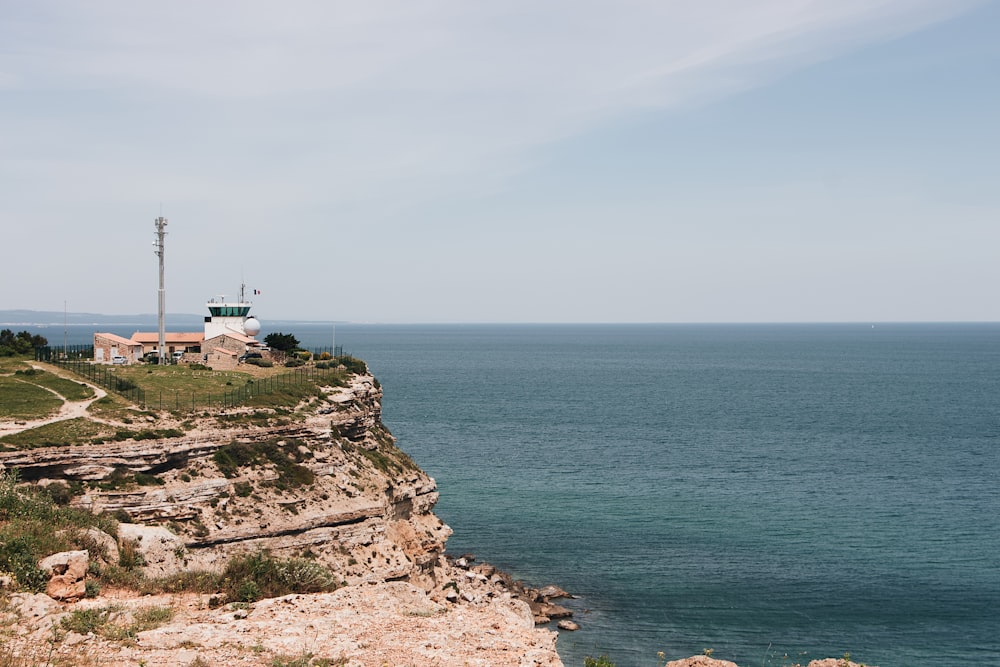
<point x="329" y="484"/>
<point x="67" y="572"/>
<point x="325" y="482"/>
<point x="387" y="623"/>
<point x="706" y="661"/>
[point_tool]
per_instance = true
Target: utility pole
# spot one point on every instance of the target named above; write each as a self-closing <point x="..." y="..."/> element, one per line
<point x="160" y="224"/>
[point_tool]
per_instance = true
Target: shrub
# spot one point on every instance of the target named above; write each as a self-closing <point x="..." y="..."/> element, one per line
<point x="353" y="365"/>
<point x="85" y="621"/>
<point x="129" y="556"/>
<point x="230" y="458"/>
<point x="250" y="577"/>
<point x="263" y="363"/>
<point x="294" y="363"/>
<point x="19" y="556"/>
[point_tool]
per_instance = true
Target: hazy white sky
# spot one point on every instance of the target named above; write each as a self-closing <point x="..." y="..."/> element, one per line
<point x="452" y="161"/>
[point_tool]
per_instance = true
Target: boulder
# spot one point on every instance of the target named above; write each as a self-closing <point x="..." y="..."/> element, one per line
<point x="552" y="592"/>
<point x="102" y="547"/>
<point x="162" y="552"/>
<point x="67" y="572"/>
<point x="700" y="661"/>
<point x="554" y="610"/>
<point x="33" y="606"/>
<point x="567" y="624"/>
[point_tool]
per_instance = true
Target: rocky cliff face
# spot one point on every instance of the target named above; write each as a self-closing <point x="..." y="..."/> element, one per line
<point x="324" y="481"/>
<point x="331" y="486"/>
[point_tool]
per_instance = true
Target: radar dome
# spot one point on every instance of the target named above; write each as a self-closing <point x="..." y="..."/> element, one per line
<point x="251" y="326"/>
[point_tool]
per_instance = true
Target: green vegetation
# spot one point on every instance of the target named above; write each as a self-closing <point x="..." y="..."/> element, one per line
<point x="386" y="458"/>
<point x="305" y="659"/>
<point x="68" y="389"/>
<point x="107" y="621"/>
<point x="603" y="661"/>
<point x="66" y="432"/>
<point x="20" y="399"/>
<point x="23" y="342"/>
<point x="352" y="364"/>
<point x="251" y="577"/>
<point x="281" y="341"/>
<point x="175" y="384"/>
<point x="123" y="479"/>
<point x="285" y="458"/>
<point x="32" y="526"/>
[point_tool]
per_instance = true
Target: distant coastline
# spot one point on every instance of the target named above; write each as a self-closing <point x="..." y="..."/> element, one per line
<point x="51" y="318"/>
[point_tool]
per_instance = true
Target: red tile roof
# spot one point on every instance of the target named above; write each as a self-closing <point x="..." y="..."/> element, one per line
<point x="114" y="338"/>
<point x="186" y="337"/>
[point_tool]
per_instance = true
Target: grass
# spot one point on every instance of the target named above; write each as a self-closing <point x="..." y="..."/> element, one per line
<point x="112" y="623"/>
<point x="68" y="389"/>
<point x="26" y="392"/>
<point x="66" y="432"/>
<point x="177" y="388"/>
<point x="251" y="577"/>
<point x="20" y="399"/>
<point x="387" y="458"/>
<point x="285" y="458"/>
<point x="32" y="527"/>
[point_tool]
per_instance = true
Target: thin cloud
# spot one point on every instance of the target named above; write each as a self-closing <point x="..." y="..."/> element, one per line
<point x="247" y="112"/>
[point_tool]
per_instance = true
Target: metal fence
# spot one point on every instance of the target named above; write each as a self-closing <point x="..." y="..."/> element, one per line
<point x="317" y="352"/>
<point x="108" y="378"/>
<point x="51" y="353"/>
<point x="104" y="376"/>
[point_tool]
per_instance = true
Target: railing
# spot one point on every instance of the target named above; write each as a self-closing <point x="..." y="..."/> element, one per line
<point x="51" y="353"/>
<point x="107" y="377"/>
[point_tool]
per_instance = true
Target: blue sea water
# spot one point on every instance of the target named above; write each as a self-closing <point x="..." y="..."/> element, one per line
<point x="760" y="490"/>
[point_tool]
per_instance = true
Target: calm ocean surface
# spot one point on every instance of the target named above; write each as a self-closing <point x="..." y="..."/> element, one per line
<point x="760" y="490"/>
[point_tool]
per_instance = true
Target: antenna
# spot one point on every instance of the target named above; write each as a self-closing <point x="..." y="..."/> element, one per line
<point x="160" y="224"/>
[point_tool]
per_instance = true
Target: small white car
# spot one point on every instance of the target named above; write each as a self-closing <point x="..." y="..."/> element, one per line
<point x="118" y="359"/>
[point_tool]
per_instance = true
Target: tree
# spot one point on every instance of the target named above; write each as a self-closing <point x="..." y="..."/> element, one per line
<point x="21" y="343"/>
<point x="281" y="341"/>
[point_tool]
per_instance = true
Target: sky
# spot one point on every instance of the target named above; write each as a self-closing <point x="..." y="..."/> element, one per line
<point x="452" y="161"/>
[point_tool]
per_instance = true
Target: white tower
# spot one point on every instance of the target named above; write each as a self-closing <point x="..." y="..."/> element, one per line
<point x="160" y="224"/>
<point x="228" y="317"/>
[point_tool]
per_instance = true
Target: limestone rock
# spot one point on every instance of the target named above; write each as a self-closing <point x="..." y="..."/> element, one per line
<point x="33" y="606"/>
<point x="567" y="624"/>
<point x="67" y="572"/>
<point x="104" y="547"/>
<point x="700" y="661"/>
<point x="552" y="592"/>
<point x="161" y="551"/>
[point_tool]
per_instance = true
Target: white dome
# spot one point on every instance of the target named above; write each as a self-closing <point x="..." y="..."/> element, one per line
<point x="251" y="326"/>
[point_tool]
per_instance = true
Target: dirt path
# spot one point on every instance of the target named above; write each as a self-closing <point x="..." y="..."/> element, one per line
<point x="68" y="410"/>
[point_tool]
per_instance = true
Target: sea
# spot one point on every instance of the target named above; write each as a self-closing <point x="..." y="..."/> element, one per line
<point x="770" y="494"/>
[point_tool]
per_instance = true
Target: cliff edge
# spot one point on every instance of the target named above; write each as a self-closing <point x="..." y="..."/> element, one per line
<point x="323" y="482"/>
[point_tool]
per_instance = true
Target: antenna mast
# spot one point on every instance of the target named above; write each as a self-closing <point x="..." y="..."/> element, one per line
<point x="160" y="224"/>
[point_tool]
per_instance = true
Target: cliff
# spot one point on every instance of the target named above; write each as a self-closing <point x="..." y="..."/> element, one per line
<point x="323" y="482"/>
